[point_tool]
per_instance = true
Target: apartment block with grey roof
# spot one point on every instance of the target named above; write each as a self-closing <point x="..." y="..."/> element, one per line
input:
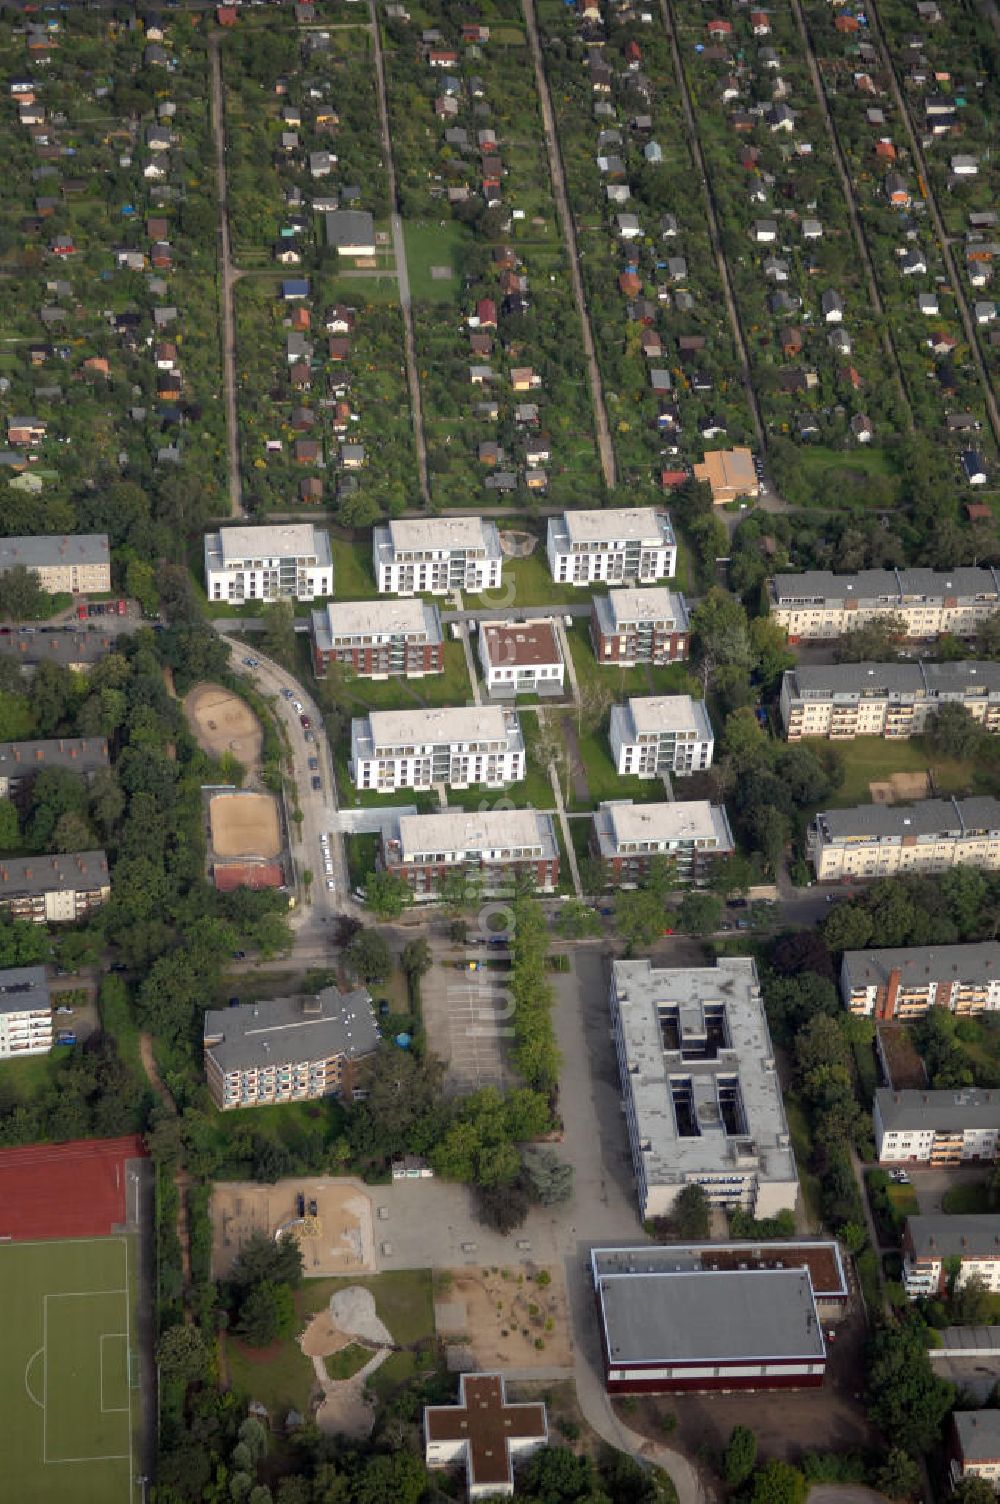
<point x="434" y="555"/>
<point x="690" y="834"/>
<point x="22" y="761"/>
<point x="893" y="700"/>
<point x="906" y="981"/>
<point x="939" y="1247"/>
<point x="25" y="1012"/>
<point x="490" y="847"/>
<point x="975" y="1446"/>
<point x="881" y="840"/>
<point x="950" y="1126"/>
<point x="819" y="605"/>
<point x="54" y="889"/>
<point x="623" y="545"/>
<point x="77" y="564"/>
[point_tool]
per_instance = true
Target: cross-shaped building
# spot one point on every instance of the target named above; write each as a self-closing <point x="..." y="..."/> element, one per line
<point x="483" y="1433"/>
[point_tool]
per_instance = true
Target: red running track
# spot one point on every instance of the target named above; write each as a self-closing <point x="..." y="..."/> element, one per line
<point x="72" y="1190"/>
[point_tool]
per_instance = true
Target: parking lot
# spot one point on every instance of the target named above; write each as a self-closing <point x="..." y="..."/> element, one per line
<point x="465" y="1016"/>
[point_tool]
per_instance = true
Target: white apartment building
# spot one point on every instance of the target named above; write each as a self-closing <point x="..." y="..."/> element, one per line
<point x="521" y="657"/>
<point x="437" y="554"/>
<point x="935" y="1243"/>
<point x="818" y="604"/>
<point x="699" y="1085"/>
<point x="284" y="562"/>
<point x="975" y="1448"/>
<point x="620" y="544"/>
<point x="656" y="734"/>
<point x="881" y="840"/>
<point x="907" y="981"/>
<point x="25" y="1012"/>
<point x="894" y="700"/>
<point x="78" y="564"/>
<point x="947" y="1127"/>
<point x="493" y="847"/>
<point x="416" y="749"/>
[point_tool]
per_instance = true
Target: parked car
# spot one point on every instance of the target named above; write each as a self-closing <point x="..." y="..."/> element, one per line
<point x="306" y="722"/>
<point x="330" y="885"/>
<point x="286" y="694"/>
<point x="314" y="763"/>
<point x="63" y="1008"/>
<point x="317" y="782"/>
<point x="65" y="1036"/>
<point x="310" y="736"/>
<point x="296" y="705"/>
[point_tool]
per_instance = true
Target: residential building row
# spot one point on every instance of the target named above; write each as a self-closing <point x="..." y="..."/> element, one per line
<point x="906" y="981"/>
<point x="700" y="1088"/>
<point x="25" y="1012"/>
<point x="377" y="639"/>
<point x="22" y="761"/>
<point x="892" y="700"/>
<point x="939" y="1128"/>
<point x="281" y="562"/>
<point x="437" y="556"/>
<point x="938" y="1247"/>
<point x="692" y="835"/>
<point x="76" y="564"/>
<point x="54" y="889"/>
<point x="820" y="605"/>
<point x="288" y="1049"/>
<point x="703" y="1317"/>
<point x="881" y="840"/>
<point x="457" y="747"/>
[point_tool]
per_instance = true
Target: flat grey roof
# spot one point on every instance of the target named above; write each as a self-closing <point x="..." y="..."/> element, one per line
<point x="24" y="989"/>
<point x="287" y="540"/>
<point x="644" y="605"/>
<point x="820" y="1256"/>
<point x="81" y="754"/>
<point x="983" y="1339"/>
<point x="70" y="873"/>
<point x="978" y="1434"/>
<point x="918" y="681"/>
<point x="929" y="817"/>
<point x="440" y="533"/>
<point x="49" y="549"/>
<point x="937" y="1235"/>
<point x="289" y="1030"/>
<point x="919" y="965"/>
<point x="652" y="827"/>
<point x="884" y="585"/>
<point x="968" y="1107"/>
<point x="482" y="831"/>
<point x="693" y="1316"/>
<point x="645" y="994"/>
<point x="378" y="619"/>
<point x="612" y="524"/>
<point x="452" y="723"/>
<point x="349" y="227"/>
<point x="658" y="715"/>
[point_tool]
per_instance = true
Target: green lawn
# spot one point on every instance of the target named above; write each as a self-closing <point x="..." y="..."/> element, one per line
<point x="903" y="1199"/>
<point x="527" y="582"/>
<point x="362" y="852"/>
<point x="282" y="1377"/>
<point x="620" y="683"/>
<point x="398" y="693"/>
<point x="353" y="575"/>
<point x="815" y="462"/>
<point x="605" y="782"/>
<point x="347" y="1362"/>
<point x="968" y="1200"/>
<point x="68" y="1315"/>
<point x="870" y="759"/>
<point x="430" y="245"/>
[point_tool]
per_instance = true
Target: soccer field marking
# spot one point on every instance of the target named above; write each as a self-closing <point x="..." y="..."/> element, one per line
<point x="124" y="1410"/>
<point x="38" y="1353"/>
<point x="113" y="1337"/>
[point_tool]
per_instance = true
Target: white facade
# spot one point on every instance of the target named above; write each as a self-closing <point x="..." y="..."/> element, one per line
<point x="936" y="1244"/>
<point x="521" y="657"/>
<point x="285" y="562"/>
<point x="616" y="546"/>
<point x="400" y="749"/>
<point x="894" y="700"/>
<point x="25" y="1013"/>
<point x="437" y="555"/>
<point x="656" y="734"/>
<point x="944" y="1127"/>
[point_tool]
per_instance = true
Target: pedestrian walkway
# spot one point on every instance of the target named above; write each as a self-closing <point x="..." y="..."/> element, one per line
<point x="564" y="827"/>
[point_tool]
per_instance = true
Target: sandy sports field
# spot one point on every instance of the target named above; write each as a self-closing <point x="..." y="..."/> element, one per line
<point x="222" y="722"/>
<point x="338" y="1240"/>
<point x="500" y="1320"/>
<point x="245" y="825"/>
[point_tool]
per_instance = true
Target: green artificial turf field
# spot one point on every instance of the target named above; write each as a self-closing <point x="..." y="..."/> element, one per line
<point x="68" y="1371"/>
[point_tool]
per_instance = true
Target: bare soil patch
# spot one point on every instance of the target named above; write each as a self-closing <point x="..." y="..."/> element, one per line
<point x="503" y="1315"/>
<point x="221" y="722"/>
<point x="245" y="824"/>
<point x="338" y="1240"/>
<point x="901" y="788"/>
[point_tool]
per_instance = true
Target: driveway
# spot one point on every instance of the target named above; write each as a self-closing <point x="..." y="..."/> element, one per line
<point x="931" y="1185"/>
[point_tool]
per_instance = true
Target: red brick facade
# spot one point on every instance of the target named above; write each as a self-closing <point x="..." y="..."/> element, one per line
<point x="427" y="878"/>
<point x="654" y="647"/>
<point x="383" y="659"/>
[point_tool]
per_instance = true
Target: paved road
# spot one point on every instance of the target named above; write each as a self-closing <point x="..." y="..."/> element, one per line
<point x="604" y="445"/>
<point x="888" y="344"/>
<point x="713" y="224"/>
<point x="318" y="807"/>
<point x="226" y="280"/>
<point x="402" y="272"/>
<point x="878" y="37"/>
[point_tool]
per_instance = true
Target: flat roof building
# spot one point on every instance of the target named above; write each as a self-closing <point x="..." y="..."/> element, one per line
<point x="730" y="473"/>
<point x="616" y="545"/>
<point x="690" y="833"/>
<point x="893" y="700"/>
<point x="457" y="746"/>
<point x="652" y="735"/>
<point x="643" y="625"/>
<point x="54" y="889"/>
<point x="696" y="1329"/>
<point x="881" y="840"/>
<point x="905" y="981"/>
<point x="24" y="760"/>
<point x="281" y="562"/>
<point x="818" y="604"/>
<point x="484" y="1433"/>
<point x="25" y="1012"/>
<point x="288" y="1049"/>
<point x="378" y="639"/>
<point x="78" y="563"/>
<point x="491" y="847"/>
<point x="701" y="1092"/>
<point x="435" y="555"/>
<point x="944" y="1127"/>
<point x="521" y="657"/>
